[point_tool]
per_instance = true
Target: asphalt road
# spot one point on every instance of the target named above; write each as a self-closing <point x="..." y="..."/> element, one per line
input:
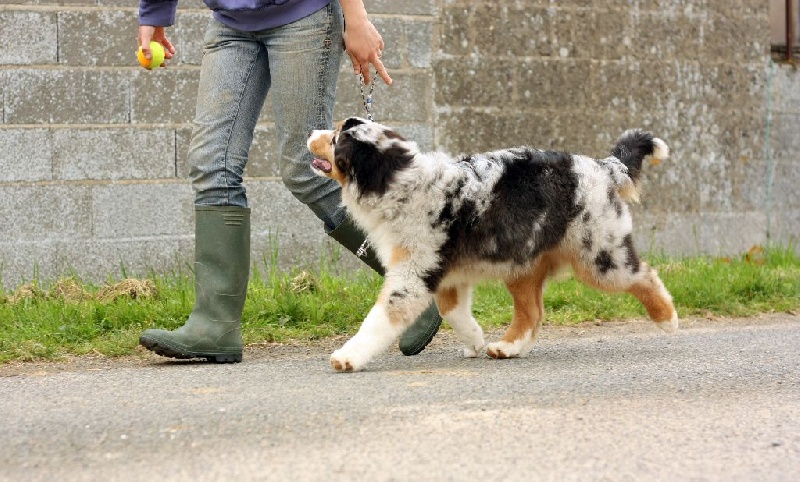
<point x="719" y="400"/>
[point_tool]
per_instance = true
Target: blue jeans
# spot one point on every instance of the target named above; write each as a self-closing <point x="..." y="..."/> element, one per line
<point x="299" y="64"/>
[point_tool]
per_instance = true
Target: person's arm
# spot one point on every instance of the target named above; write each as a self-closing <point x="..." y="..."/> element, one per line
<point x="362" y="41"/>
<point x="154" y="15"/>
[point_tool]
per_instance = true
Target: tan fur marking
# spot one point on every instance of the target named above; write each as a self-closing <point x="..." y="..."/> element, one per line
<point x="446" y="300"/>
<point x="398" y="255"/>
<point x="321" y="147"/>
<point x="527" y="292"/>
<point x="652" y="294"/>
<point x="629" y="192"/>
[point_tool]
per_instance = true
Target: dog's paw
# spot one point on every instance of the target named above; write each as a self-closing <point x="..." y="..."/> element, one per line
<point x="669" y="326"/>
<point x="474" y="350"/>
<point x="343" y="360"/>
<point x="502" y="349"/>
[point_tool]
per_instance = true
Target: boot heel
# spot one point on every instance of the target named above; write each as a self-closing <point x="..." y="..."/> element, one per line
<point x="232" y="358"/>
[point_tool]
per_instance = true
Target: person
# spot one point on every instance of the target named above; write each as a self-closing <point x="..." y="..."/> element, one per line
<point x="292" y="48"/>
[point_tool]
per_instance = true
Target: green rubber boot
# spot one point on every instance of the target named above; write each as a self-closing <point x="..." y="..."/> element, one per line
<point x="419" y="334"/>
<point x="222" y="268"/>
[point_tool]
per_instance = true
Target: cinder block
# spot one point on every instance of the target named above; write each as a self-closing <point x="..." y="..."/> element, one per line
<point x="570" y="37"/>
<point x="784" y="83"/>
<point x="23" y="261"/>
<point x="699" y="233"/>
<point x="183" y="135"/>
<point x="281" y="222"/>
<point x="456" y="32"/>
<point x="406" y="7"/>
<point x="469" y="131"/>
<point x="686" y="33"/>
<point x="420" y="44"/>
<point x="785" y="179"/>
<point x="737" y="39"/>
<point x="549" y="83"/>
<point x="516" y="30"/>
<point x="50" y="212"/>
<point x="473" y="82"/>
<point x="420" y="133"/>
<point x="164" y="95"/>
<point x="142" y="210"/>
<point x="79" y="96"/>
<point x="614" y="35"/>
<point x="113" y="153"/>
<point x="188" y="34"/>
<point x="393" y="32"/>
<point x="263" y="159"/>
<point x="115" y="47"/>
<point x="27" y="154"/>
<point x="93" y="261"/>
<point x="784" y="228"/>
<point x="32" y="39"/>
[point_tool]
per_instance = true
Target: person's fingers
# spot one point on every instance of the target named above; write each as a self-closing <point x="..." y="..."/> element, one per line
<point x="169" y="49"/>
<point x="356" y="64"/>
<point x="145" y="35"/>
<point x="366" y="74"/>
<point x="382" y="71"/>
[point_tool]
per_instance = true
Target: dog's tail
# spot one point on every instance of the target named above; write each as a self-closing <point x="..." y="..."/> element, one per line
<point x="632" y="148"/>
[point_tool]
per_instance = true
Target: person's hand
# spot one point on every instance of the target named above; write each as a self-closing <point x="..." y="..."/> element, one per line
<point x="364" y="45"/>
<point x="148" y="33"/>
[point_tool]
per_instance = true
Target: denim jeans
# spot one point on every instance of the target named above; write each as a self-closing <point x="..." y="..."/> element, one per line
<point x="299" y="64"/>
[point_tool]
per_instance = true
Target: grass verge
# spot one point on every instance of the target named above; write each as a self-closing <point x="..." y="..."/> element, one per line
<point x="73" y="318"/>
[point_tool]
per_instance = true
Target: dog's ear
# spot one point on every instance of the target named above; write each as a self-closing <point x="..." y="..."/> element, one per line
<point x="351" y="122"/>
<point x="370" y="168"/>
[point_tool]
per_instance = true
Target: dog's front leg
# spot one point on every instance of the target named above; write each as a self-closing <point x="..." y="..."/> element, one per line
<point x="376" y="334"/>
<point x="455" y="305"/>
<point x="403" y="298"/>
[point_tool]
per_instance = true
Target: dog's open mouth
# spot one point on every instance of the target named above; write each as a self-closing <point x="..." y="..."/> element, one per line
<point x="321" y="165"/>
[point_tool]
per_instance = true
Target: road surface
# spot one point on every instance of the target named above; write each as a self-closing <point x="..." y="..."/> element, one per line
<point x="719" y="400"/>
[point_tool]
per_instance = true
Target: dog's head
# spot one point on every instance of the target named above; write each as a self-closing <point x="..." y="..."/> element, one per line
<point x="362" y="153"/>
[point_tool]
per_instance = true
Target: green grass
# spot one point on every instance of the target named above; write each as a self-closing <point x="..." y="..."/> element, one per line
<point x="283" y="306"/>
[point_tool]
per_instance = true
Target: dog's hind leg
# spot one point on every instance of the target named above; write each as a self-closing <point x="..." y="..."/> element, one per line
<point x="656" y="299"/>
<point x="634" y="277"/>
<point x="527" y="292"/>
<point x="455" y="306"/>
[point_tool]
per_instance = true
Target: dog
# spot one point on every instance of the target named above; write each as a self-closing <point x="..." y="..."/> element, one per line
<point x="440" y="224"/>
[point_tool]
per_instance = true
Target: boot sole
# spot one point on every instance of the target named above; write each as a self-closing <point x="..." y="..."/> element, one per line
<point x="167" y="351"/>
<point x="417" y="348"/>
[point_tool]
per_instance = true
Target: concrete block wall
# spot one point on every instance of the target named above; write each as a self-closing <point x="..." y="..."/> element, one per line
<point x="573" y="75"/>
<point x="93" y="148"/>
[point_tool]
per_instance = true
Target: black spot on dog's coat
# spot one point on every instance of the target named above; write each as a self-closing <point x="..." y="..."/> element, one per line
<point x="352" y="122"/>
<point x="604" y="262"/>
<point x="631" y="259"/>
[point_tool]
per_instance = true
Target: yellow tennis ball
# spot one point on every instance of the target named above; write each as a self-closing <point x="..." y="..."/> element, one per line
<point x="157" y="56"/>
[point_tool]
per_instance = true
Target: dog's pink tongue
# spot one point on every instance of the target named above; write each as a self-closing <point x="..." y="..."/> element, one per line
<point x="322" y="165"/>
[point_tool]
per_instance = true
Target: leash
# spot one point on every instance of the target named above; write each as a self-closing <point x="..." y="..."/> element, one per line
<point x="366" y="99"/>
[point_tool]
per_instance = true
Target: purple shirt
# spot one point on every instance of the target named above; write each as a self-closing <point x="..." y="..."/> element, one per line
<point x="246" y="15"/>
